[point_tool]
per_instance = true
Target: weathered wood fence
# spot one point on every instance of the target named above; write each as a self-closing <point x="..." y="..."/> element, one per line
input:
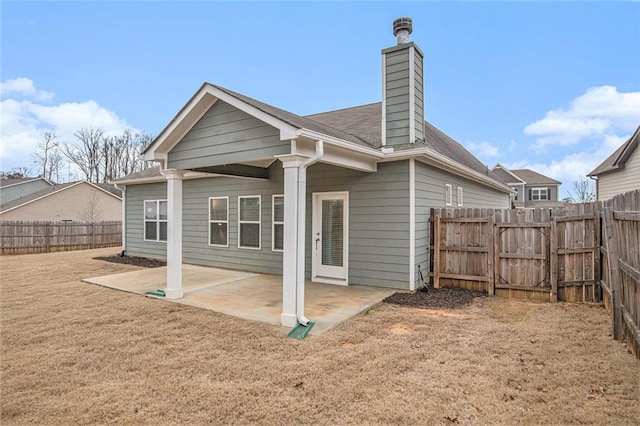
<point x="573" y="253"/>
<point x="21" y="237"/>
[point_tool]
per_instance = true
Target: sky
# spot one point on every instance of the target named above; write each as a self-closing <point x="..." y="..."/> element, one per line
<point x="554" y="87"/>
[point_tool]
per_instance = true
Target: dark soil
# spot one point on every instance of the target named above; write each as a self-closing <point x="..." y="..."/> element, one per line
<point x="435" y="298"/>
<point x="133" y="260"/>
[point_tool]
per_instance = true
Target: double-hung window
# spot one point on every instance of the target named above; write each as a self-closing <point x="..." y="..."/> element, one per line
<point x="249" y="222"/>
<point x="155" y="220"/>
<point x="448" y="194"/>
<point x="539" y="194"/>
<point x="278" y="223"/>
<point x="219" y="221"/>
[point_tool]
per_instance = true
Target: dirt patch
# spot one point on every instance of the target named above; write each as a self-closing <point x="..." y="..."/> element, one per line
<point x="75" y="353"/>
<point x="133" y="260"/>
<point x="436" y="298"/>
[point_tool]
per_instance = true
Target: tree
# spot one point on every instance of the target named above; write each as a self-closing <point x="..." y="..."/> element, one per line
<point x="582" y="191"/>
<point x="91" y="211"/>
<point x="16" y="173"/>
<point x="47" y="157"/>
<point x="88" y="154"/>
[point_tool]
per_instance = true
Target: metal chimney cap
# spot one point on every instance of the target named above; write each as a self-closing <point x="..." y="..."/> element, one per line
<point x="402" y="24"/>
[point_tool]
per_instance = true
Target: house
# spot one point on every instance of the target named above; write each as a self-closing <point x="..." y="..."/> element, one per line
<point x="12" y="189"/>
<point x="531" y="189"/>
<point x="341" y="197"/>
<point x="620" y="172"/>
<point x="76" y="201"/>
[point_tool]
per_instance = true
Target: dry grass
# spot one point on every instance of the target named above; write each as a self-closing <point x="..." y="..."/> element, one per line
<point x="77" y="353"/>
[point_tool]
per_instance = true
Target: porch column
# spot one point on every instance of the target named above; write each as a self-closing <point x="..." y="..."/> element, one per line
<point x="292" y="223"/>
<point x="174" y="233"/>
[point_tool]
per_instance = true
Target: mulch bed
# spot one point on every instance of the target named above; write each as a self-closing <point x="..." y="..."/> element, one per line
<point x="435" y="298"/>
<point x="133" y="260"/>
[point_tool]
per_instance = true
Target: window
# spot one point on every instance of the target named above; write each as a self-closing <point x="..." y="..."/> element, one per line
<point x="448" y="194"/>
<point x="515" y="196"/>
<point x="219" y="221"/>
<point x="460" y="199"/>
<point x="278" y="223"/>
<point x="155" y="220"/>
<point x="249" y="222"/>
<point x="539" y="194"/>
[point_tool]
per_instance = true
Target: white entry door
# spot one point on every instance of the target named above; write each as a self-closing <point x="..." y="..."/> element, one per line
<point x="330" y="237"/>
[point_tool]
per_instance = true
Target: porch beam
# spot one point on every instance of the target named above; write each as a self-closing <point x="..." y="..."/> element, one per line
<point x="174" y="233"/>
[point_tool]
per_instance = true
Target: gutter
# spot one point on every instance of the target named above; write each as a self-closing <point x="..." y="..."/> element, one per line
<point x="302" y="201"/>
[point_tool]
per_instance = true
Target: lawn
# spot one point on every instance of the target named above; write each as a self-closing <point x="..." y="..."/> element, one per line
<point x="77" y="353"/>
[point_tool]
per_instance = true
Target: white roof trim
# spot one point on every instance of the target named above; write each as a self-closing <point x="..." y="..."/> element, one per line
<point x="57" y="192"/>
<point x="193" y="111"/>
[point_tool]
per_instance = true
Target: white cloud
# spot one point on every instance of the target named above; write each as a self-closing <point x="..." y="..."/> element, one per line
<point x="483" y="149"/>
<point x="600" y="112"/>
<point x="24" y="87"/>
<point x="23" y="120"/>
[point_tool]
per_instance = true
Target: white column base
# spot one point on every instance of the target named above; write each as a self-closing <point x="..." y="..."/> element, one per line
<point x="173" y="293"/>
<point x="288" y="320"/>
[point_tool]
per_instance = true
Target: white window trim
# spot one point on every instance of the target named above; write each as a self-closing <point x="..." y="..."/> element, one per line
<point x="274" y="223"/>
<point x="460" y="198"/>
<point x="157" y="221"/>
<point x="448" y="195"/>
<point x="259" y="222"/>
<point x="218" y="221"/>
<point x="540" y="190"/>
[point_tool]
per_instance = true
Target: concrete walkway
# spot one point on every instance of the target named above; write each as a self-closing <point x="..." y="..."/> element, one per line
<point x="251" y="296"/>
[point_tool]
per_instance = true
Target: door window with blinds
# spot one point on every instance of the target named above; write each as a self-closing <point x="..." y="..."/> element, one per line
<point x="219" y="221"/>
<point x="332" y="232"/>
<point x="278" y="223"/>
<point x="249" y="222"/>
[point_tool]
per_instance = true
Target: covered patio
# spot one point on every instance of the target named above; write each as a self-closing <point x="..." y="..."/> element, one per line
<point x="248" y="295"/>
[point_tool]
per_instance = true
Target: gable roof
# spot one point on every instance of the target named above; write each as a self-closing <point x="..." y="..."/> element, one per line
<point x="534" y="178"/>
<point x="10" y="182"/>
<point x="47" y="192"/>
<point x="619" y="157"/>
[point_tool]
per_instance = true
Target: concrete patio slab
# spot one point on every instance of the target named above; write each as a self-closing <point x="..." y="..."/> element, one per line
<point x="252" y="296"/>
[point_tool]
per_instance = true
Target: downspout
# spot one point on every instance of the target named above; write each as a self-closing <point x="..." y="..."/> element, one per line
<point x="123" y="188"/>
<point x="302" y="204"/>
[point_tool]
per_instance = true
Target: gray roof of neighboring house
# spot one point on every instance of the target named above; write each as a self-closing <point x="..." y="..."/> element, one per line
<point x="151" y="172"/>
<point x="618" y="159"/>
<point x="534" y="178"/>
<point x="502" y="175"/>
<point x="49" y="191"/>
<point x="7" y="182"/>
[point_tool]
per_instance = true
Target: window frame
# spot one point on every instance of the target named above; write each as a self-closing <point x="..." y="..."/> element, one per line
<point x="218" y="221"/>
<point x="448" y="194"/>
<point x="540" y="191"/>
<point x="274" y="223"/>
<point x="460" y="196"/>
<point x="259" y="222"/>
<point x="157" y="220"/>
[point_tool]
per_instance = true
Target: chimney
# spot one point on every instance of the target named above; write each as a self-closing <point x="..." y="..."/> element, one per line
<point x="402" y="89"/>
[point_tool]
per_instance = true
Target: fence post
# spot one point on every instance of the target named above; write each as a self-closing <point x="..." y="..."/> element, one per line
<point x="490" y="254"/>
<point x="614" y="273"/>
<point x="553" y="259"/>
<point x="93" y="236"/>
<point x="597" y="292"/>
<point x="47" y="235"/>
<point x="436" y="251"/>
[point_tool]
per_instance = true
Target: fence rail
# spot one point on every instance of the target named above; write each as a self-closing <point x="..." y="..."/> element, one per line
<point x="576" y="253"/>
<point x="22" y="237"/>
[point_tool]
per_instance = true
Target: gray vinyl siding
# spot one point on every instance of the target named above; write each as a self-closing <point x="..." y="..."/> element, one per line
<point x="419" y="95"/>
<point x="620" y="181"/>
<point x="134" y="216"/>
<point x="396" y="75"/>
<point x="16" y="191"/>
<point x="378" y="221"/>
<point x="226" y="135"/>
<point x="430" y="192"/>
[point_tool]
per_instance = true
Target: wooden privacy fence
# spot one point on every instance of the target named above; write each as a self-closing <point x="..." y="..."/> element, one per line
<point x="21" y="237"/>
<point x="572" y="253"/>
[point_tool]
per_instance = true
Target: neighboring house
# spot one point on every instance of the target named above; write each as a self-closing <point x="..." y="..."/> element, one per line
<point x="77" y="201"/>
<point x="13" y="189"/>
<point x="341" y="197"/>
<point x="531" y="189"/>
<point x="620" y="172"/>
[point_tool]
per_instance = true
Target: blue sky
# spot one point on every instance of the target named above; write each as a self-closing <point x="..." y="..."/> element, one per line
<point x="549" y="86"/>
